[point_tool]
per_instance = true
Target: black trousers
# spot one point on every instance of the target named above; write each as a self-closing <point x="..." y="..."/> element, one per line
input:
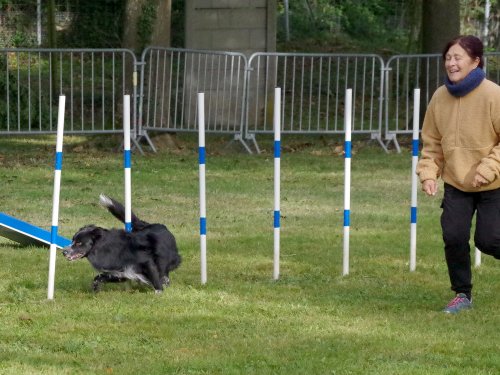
<point x="456" y="220"/>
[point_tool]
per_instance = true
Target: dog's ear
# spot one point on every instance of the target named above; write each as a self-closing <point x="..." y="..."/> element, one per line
<point x="96" y="233"/>
<point x="88" y="232"/>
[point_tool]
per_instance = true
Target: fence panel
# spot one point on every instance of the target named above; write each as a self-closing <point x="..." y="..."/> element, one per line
<point x="238" y="92"/>
<point x="404" y="73"/>
<point x="94" y="82"/>
<point x="171" y="79"/>
<point x="313" y="90"/>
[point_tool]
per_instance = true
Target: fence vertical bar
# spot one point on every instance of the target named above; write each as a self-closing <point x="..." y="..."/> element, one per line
<point x="127" y="163"/>
<point x="203" y="209"/>
<point x="347" y="180"/>
<point x="414" y="182"/>
<point x="277" y="166"/>
<point x="56" y="195"/>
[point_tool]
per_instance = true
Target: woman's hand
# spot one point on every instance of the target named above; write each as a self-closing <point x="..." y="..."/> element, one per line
<point x="430" y="187"/>
<point x="479" y="181"/>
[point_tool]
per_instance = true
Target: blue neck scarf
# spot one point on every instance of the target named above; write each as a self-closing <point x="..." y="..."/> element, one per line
<point x="469" y="83"/>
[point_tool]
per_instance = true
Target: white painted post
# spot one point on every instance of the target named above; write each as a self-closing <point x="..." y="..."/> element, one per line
<point x="56" y="196"/>
<point x="414" y="181"/>
<point x="277" y="172"/>
<point x="127" y="163"/>
<point x="203" y="209"/>
<point x="347" y="179"/>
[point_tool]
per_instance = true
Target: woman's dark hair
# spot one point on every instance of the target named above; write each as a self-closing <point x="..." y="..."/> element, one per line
<point x="471" y="44"/>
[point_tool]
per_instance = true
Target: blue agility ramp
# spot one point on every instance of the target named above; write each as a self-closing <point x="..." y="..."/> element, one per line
<point x="27" y="234"/>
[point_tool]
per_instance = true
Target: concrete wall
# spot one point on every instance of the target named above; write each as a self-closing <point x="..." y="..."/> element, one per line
<point x="245" y="26"/>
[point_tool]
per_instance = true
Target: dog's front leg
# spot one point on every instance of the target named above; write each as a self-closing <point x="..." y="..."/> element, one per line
<point x="151" y="272"/>
<point x="105" y="278"/>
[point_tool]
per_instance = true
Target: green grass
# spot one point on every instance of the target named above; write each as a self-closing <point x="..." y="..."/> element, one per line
<point x="379" y="319"/>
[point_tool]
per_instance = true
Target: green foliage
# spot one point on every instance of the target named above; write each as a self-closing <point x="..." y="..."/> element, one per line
<point x="145" y="22"/>
<point x="96" y="24"/>
<point x="17" y="24"/>
<point x="19" y="105"/>
<point x="375" y="23"/>
<point x="22" y="39"/>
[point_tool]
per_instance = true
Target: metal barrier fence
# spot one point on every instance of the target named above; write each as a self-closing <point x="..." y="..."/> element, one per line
<point x="93" y="81"/>
<point x="171" y="79"/>
<point x="407" y="72"/>
<point x="238" y="91"/>
<point x="313" y="89"/>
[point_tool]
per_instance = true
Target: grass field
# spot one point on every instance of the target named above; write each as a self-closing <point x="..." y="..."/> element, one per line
<point x="380" y="319"/>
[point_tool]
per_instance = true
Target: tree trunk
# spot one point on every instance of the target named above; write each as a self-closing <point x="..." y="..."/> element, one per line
<point x="51" y="23"/>
<point x="160" y="27"/>
<point x="161" y="30"/>
<point x="440" y="24"/>
<point x="51" y="26"/>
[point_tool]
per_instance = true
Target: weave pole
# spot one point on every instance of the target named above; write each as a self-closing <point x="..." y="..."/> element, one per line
<point x="347" y="179"/>
<point x="277" y="172"/>
<point x="127" y="163"/>
<point x="55" y="198"/>
<point x="203" y="208"/>
<point x="477" y="257"/>
<point x="414" y="182"/>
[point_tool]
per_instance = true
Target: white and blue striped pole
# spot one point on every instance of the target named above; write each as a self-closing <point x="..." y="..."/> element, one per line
<point x="56" y="195"/>
<point x="347" y="179"/>
<point x="127" y="163"/>
<point x="203" y="209"/>
<point x="414" y="182"/>
<point x="277" y="172"/>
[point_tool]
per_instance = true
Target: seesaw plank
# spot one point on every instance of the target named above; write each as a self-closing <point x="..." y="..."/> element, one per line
<point x="27" y="234"/>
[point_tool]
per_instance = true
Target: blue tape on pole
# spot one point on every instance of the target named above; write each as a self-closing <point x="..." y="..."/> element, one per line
<point x="413" y="214"/>
<point x="53" y="235"/>
<point x="128" y="227"/>
<point x="203" y="225"/>
<point x="277" y="219"/>
<point x="59" y="159"/>
<point x="202" y="155"/>
<point x="347" y="218"/>
<point x="415" y="147"/>
<point x="277" y="149"/>
<point x="347" y="149"/>
<point x="127" y="159"/>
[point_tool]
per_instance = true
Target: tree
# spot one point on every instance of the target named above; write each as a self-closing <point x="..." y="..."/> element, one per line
<point x="147" y="22"/>
<point x="440" y="23"/>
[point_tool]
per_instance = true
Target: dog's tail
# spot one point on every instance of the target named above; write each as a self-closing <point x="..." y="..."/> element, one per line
<point x="118" y="211"/>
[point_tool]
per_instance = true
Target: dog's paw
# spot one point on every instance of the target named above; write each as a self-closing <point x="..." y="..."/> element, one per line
<point x="96" y="286"/>
<point x="158" y="291"/>
<point x="166" y="281"/>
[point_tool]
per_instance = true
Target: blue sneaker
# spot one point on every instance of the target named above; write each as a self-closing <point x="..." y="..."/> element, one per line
<point x="457" y="304"/>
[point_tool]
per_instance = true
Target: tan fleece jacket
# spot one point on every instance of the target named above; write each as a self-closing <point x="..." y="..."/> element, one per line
<point x="461" y="137"/>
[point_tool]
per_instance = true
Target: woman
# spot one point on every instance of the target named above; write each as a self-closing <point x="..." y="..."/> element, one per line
<point x="461" y="135"/>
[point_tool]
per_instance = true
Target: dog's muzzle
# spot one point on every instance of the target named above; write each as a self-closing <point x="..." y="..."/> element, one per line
<point x="70" y="254"/>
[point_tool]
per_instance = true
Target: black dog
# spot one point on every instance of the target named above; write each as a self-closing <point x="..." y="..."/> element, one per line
<point x="148" y="253"/>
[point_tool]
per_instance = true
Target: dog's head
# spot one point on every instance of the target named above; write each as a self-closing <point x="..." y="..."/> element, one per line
<point x="83" y="242"/>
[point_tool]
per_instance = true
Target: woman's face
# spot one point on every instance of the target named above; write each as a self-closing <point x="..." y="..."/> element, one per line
<point x="458" y="63"/>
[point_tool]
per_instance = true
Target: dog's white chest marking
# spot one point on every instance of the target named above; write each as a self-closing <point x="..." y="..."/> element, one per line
<point x="129" y="273"/>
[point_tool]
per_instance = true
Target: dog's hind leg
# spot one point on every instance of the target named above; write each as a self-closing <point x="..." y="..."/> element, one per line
<point x="105" y="278"/>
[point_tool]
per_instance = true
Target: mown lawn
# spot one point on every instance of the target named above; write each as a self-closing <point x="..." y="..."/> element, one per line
<point x="379" y="319"/>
